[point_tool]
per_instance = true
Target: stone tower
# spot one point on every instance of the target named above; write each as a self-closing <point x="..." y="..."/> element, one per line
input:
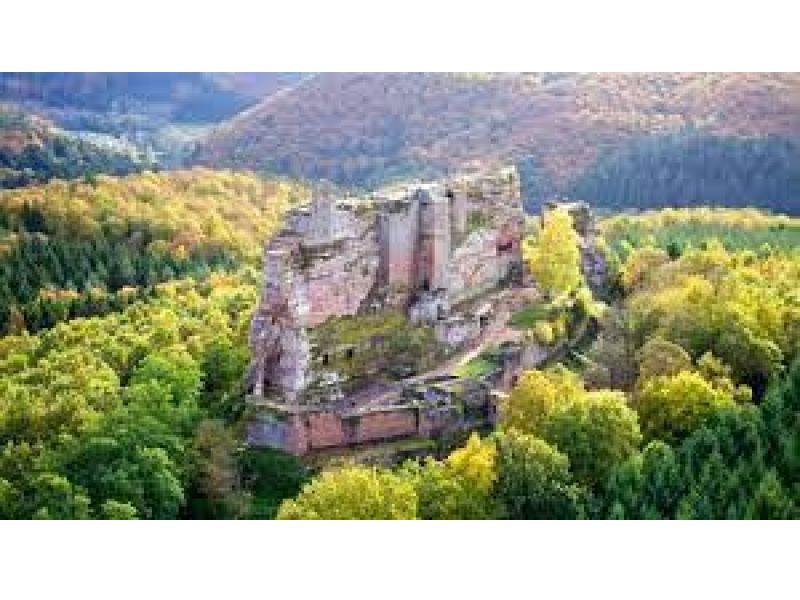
<point x="398" y="234"/>
<point x="434" y="243"/>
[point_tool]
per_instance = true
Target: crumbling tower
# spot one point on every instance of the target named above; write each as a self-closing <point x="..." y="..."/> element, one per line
<point x="398" y="233"/>
<point x="434" y="243"/>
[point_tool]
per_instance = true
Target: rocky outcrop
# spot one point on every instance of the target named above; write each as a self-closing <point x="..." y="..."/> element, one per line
<point x="278" y="338"/>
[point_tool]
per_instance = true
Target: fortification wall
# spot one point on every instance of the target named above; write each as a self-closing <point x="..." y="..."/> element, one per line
<point x="303" y="433"/>
<point x="339" y="258"/>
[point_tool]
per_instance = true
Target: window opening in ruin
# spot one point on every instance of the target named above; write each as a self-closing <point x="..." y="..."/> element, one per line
<point x="484" y="320"/>
<point x="440" y="313"/>
<point x="349" y="353"/>
<point x="325" y="359"/>
<point x="426" y="285"/>
<point x="505" y="247"/>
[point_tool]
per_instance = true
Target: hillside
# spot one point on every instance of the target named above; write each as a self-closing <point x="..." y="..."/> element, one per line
<point x="364" y="129"/>
<point x="185" y="97"/>
<point x="694" y="169"/>
<point x="77" y="249"/>
<point x="161" y="113"/>
<point x="34" y="150"/>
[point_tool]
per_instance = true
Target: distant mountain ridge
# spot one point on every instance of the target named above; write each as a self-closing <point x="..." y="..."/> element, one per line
<point x="188" y="97"/>
<point x="364" y="129"/>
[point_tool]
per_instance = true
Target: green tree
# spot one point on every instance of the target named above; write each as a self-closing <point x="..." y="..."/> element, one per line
<point x="648" y="485"/>
<point x="271" y="476"/>
<point x="223" y="365"/>
<point x="771" y="501"/>
<point x="57" y="498"/>
<point x="596" y="431"/>
<point x="178" y="372"/>
<point x="215" y="484"/>
<point x="534" y="481"/>
<point x="460" y="487"/>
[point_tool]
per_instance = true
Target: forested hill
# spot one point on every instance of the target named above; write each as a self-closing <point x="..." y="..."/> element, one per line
<point x="72" y="249"/>
<point x="684" y="170"/>
<point x="159" y="114"/>
<point x="363" y="129"/>
<point x="33" y="150"/>
<point x="125" y="304"/>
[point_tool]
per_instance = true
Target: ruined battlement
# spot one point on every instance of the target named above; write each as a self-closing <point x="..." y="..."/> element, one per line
<point x="419" y="248"/>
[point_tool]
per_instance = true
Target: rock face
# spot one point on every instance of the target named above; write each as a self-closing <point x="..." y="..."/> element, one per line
<point x="281" y="351"/>
<point x="422" y="248"/>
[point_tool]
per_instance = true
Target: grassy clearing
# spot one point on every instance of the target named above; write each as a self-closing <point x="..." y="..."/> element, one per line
<point x="477" y="367"/>
<point x="528" y="316"/>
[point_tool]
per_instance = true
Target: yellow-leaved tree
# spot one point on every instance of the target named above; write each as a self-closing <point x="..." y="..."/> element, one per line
<point x="460" y="487"/>
<point x="535" y="395"/>
<point x="672" y="406"/>
<point x="354" y="492"/>
<point x="554" y="257"/>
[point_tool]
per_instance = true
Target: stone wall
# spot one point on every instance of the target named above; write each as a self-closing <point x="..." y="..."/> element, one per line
<point x="474" y="267"/>
<point x="303" y="433"/>
<point x="385" y="425"/>
<point x="339" y="282"/>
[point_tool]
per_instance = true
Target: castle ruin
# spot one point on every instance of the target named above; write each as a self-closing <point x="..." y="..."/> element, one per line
<point x="419" y="249"/>
<point x="364" y="302"/>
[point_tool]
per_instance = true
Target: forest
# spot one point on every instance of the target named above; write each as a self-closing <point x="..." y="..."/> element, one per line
<point x="122" y="397"/>
<point x="74" y="249"/>
<point x="126" y="303"/>
<point x="693" y="169"/>
<point x="33" y="150"/>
